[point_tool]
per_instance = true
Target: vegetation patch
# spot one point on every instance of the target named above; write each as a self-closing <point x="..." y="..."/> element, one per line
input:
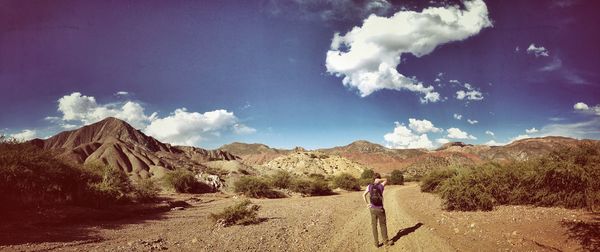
<point x="566" y="178"/>
<point x="255" y="187"/>
<point x="243" y="213"/>
<point x="396" y="178"/>
<point x="311" y="187"/>
<point x="346" y="182"/>
<point x="184" y="181"/>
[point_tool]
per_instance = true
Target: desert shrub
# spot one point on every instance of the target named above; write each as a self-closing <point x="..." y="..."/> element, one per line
<point x="255" y="187"/>
<point x="317" y="176"/>
<point x="567" y="178"/>
<point x="32" y="176"/>
<point x="281" y="179"/>
<point x="346" y="182"/>
<point x="183" y="181"/>
<point x="365" y="181"/>
<point x="367" y="174"/>
<point x="146" y="190"/>
<point x="243" y="213"/>
<point x="431" y="181"/>
<point x="396" y="178"/>
<point x="311" y="187"/>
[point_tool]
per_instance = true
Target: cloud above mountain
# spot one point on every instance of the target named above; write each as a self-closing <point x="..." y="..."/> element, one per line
<point x="181" y="127"/>
<point x="367" y="57"/>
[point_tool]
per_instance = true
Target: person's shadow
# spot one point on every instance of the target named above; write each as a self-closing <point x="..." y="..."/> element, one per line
<point x="406" y="231"/>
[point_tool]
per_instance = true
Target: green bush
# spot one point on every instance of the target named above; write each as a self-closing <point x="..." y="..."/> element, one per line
<point x="311" y="187"/>
<point x="431" y="181"/>
<point x="281" y="179"/>
<point x="346" y="182"/>
<point x="183" y="181"/>
<point x="365" y="181"/>
<point x="396" y="178"/>
<point x="243" y="213"/>
<point x="30" y="176"/>
<point x="146" y="190"/>
<point x="367" y="174"/>
<point x="567" y="178"/>
<point x="255" y="187"/>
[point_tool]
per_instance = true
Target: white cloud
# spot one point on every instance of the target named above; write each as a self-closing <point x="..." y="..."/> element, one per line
<point x="470" y="95"/>
<point x="585" y="129"/>
<point x="555" y="64"/>
<point x="326" y="10"/>
<point x="180" y="127"/>
<point x="122" y="93"/>
<point x="494" y="143"/>
<point x="442" y="140"/>
<point x="472" y="121"/>
<point x="531" y="131"/>
<point x="517" y="49"/>
<point x="457" y="116"/>
<point x="488" y="132"/>
<point x="422" y="126"/>
<point x="367" y="56"/>
<point x="403" y="138"/>
<point x="580" y="106"/>
<point x="519" y="137"/>
<point x="437" y="80"/>
<point x="190" y="128"/>
<point x="454" y="81"/>
<point x="242" y="129"/>
<point x="456" y="133"/>
<point x="80" y="108"/>
<point x="25" y="135"/>
<point x="537" y="51"/>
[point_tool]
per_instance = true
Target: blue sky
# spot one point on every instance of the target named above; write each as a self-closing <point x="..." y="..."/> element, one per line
<point x="208" y="73"/>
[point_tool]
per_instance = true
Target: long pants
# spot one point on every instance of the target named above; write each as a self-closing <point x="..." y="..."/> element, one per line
<point x="378" y="214"/>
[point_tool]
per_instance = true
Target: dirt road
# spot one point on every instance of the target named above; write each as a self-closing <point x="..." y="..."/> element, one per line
<point x="329" y="223"/>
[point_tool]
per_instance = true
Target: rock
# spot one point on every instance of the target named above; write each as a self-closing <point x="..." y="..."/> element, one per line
<point x="177" y="208"/>
<point x="515" y="233"/>
<point x="195" y="240"/>
<point x="456" y="230"/>
<point x="178" y="203"/>
<point x="472" y="225"/>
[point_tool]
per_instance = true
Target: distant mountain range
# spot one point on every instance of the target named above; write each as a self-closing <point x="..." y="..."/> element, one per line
<point x="114" y="142"/>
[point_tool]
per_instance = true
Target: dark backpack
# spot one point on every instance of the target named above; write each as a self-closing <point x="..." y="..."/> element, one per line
<point x="376" y="195"/>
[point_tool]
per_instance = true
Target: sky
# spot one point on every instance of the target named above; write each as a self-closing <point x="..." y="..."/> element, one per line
<point x="316" y="74"/>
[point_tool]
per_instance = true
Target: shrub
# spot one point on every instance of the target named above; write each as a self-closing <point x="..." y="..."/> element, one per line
<point x="183" y="181"/>
<point x="346" y="182"/>
<point x="367" y="174"/>
<point x="255" y="187"/>
<point x="396" y="178"/>
<point x="567" y="178"/>
<point x="281" y="179"/>
<point x="146" y="190"/>
<point x="365" y="181"/>
<point x="311" y="187"/>
<point x="434" y="179"/>
<point x="243" y="213"/>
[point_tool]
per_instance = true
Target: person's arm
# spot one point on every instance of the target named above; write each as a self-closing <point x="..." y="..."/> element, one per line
<point x="365" y="197"/>
<point x="382" y="181"/>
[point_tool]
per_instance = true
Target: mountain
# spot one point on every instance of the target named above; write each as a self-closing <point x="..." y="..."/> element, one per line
<point x="254" y="154"/>
<point x="116" y="143"/>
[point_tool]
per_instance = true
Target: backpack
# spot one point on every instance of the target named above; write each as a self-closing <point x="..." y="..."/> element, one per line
<point x="376" y="196"/>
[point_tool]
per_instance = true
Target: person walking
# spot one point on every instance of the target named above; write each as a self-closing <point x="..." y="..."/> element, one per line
<point x="375" y="203"/>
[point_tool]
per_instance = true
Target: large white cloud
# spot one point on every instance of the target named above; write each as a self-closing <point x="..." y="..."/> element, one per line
<point x="181" y="127"/>
<point x="25" y="135"/>
<point x="456" y="133"/>
<point x="422" y="126"/>
<point x="367" y="56"/>
<point x="80" y="108"/>
<point x="190" y="128"/>
<point x="580" y="106"/>
<point x="404" y="138"/>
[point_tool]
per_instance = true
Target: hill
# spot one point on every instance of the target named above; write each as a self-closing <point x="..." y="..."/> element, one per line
<point x="314" y="162"/>
<point x="116" y="143"/>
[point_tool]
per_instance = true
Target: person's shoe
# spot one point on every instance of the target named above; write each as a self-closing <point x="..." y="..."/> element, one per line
<point x="389" y="243"/>
<point x="377" y="245"/>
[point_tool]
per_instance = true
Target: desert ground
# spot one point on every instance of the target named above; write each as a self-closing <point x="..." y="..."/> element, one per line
<point x="339" y="222"/>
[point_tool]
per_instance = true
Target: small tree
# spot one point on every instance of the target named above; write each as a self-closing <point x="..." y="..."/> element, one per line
<point x="282" y="179"/>
<point x="243" y="213"/>
<point x="397" y="178"/>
